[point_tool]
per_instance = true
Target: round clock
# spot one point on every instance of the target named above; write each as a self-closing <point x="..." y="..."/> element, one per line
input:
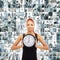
<point x="29" y="40"/>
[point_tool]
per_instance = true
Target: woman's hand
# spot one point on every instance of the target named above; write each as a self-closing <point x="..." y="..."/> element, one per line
<point x="21" y="46"/>
<point x="37" y="46"/>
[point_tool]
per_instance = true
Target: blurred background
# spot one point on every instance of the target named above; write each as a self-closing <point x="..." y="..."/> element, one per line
<point x="13" y="15"/>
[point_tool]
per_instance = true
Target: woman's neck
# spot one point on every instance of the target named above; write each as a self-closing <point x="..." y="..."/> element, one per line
<point x="29" y="32"/>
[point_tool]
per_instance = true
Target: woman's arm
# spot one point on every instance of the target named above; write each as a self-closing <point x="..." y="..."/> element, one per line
<point x="14" y="46"/>
<point x="45" y="46"/>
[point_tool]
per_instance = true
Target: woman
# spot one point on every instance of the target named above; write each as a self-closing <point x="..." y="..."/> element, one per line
<point x="30" y="53"/>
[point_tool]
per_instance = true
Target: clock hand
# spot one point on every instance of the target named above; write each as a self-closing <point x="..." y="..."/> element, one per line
<point x="28" y="41"/>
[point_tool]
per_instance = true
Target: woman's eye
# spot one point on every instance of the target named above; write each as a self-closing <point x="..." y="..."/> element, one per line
<point x="31" y="24"/>
<point x="27" y="24"/>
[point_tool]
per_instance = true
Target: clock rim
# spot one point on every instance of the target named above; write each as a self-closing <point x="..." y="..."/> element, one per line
<point x="30" y="35"/>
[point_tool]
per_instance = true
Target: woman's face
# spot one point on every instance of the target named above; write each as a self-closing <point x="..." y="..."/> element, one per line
<point x="30" y="26"/>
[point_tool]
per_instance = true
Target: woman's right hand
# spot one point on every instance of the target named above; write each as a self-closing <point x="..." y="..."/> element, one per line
<point x="21" y="46"/>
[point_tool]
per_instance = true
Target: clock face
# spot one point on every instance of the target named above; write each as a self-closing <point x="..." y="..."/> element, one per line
<point x="29" y="40"/>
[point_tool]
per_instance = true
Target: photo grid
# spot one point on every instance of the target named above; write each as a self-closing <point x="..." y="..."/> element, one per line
<point x="13" y="15"/>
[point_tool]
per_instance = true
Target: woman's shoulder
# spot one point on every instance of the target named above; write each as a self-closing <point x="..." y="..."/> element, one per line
<point x="38" y="35"/>
<point x="21" y="36"/>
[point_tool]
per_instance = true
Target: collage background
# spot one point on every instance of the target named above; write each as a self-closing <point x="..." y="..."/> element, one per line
<point x="13" y="15"/>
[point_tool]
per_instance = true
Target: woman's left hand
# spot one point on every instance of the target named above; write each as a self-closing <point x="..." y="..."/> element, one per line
<point x="36" y="46"/>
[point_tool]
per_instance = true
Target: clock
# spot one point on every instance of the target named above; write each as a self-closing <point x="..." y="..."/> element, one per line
<point x="29" y="40"/>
